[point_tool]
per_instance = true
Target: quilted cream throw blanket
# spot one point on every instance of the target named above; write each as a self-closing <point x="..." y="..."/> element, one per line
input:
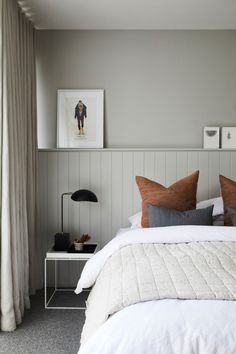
<point x="143" y="272"/>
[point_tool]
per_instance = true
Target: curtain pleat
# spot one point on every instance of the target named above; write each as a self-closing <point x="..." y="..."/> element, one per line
<point x="20" y="273"/>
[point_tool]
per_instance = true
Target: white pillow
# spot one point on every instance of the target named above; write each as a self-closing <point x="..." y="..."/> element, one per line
<point x="217" y="202"/>
<point x="135" y="220"/>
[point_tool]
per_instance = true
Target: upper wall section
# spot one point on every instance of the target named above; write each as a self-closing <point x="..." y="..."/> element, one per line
<point x="161" y="87"/>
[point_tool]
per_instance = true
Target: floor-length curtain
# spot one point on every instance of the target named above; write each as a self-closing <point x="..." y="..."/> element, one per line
<point x="18" y="191"/>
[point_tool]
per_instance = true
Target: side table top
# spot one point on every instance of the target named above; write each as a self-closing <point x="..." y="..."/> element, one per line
<point x="52" y="254"/>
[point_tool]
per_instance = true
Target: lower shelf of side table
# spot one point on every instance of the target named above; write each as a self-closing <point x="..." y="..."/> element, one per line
<point x="65" y="298"/>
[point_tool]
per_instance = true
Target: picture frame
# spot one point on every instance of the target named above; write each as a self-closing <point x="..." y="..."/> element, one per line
<point x="211" y="137"/>
<point x="228" y="137"/>
<point x="80" y="118"/>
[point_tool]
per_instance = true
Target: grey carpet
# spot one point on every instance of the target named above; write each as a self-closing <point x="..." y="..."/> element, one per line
<point x="44" y="331"/>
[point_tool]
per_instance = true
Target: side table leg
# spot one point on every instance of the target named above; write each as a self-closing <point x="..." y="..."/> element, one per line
<point x="45" y="283"/>
<point x="55" y="281"/>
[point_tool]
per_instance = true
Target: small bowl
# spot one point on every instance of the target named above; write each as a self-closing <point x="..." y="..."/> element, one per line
<point x="78" y="246"/>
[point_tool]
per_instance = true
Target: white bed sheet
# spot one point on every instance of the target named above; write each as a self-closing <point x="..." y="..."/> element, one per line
<point x="168" y="327"/>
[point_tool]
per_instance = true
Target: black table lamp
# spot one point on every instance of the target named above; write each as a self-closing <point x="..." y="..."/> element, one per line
<point x="62" y="239"/>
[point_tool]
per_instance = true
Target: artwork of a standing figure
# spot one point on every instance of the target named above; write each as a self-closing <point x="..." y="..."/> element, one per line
<point x="80" y="115"/>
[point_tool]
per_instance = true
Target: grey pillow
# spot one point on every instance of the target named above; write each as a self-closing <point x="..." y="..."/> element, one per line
<point x="218" y="220"/>
<point x="159" y="216"/>
<point x="232" y="213"/>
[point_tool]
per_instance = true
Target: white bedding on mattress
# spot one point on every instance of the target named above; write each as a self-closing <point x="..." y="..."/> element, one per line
<point x="164" y="326"/>
<point x="170" y="234"/>
<point x="168" y="327"/>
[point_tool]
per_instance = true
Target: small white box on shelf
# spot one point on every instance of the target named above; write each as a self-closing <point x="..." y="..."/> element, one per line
<point x="211" y="138"/>
<point x="228" y="137"/>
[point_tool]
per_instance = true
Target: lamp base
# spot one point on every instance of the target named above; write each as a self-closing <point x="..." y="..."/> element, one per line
<point x="62" y="242"/>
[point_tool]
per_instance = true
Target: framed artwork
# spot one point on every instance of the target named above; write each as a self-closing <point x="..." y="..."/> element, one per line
<point x="80" y="118"/>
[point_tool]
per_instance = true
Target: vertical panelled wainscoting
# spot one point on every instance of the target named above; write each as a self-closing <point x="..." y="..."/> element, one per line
<point x="110" y="173"/>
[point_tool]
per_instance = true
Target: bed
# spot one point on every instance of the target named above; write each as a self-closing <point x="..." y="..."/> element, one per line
<point x="165" y="291"/>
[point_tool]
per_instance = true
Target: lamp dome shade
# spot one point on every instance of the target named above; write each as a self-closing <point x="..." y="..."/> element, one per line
<point x="84" y="195"/>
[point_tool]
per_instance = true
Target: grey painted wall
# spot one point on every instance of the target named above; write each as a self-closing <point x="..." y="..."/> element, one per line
<point x="161" y="87"/>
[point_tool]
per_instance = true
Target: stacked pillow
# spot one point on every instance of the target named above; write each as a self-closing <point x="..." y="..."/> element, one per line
<point x="180" y="196"/>
<point x="228" y="190"/>
<point x="176" y="205"/>
<point x="159" y="216"/>
<point x="218" y="212"/>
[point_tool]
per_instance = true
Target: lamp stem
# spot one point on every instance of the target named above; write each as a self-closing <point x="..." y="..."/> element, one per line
<point x="62" y="214"/>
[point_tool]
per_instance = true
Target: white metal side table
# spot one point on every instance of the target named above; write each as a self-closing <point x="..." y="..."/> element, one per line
<point x="56" y="257"/>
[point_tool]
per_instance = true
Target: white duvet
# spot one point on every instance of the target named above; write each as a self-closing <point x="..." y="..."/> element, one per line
<point x="164" y="326"/>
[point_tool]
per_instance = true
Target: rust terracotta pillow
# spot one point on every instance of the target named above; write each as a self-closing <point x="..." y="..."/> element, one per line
<point x="180" y="195"/>
<point x="228" y="191"/>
